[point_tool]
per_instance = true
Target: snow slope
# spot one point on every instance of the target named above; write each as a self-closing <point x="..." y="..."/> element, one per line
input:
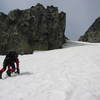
<point x="71" y="73"/>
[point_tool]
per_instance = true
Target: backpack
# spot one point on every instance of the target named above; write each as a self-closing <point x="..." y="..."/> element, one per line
<point x="11" y="57"/>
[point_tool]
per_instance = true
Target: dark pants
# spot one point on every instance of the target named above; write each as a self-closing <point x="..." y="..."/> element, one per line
<point x="10" y="66"/>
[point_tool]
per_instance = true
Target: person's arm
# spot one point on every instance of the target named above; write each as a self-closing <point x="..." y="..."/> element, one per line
<point x="17" y="64"/>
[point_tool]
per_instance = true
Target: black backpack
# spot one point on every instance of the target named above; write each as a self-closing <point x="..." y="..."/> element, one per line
<point x="11" y="57"/>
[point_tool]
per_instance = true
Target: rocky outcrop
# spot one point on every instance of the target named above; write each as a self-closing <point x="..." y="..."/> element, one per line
<point x="93" y="33"/>
<point x="37" y="28"/>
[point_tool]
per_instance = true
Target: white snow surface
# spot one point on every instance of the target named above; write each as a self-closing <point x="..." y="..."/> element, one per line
<point x="71" y="73"/>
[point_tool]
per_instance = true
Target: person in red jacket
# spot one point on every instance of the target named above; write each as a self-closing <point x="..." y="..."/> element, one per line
<point x="9" y="62"/>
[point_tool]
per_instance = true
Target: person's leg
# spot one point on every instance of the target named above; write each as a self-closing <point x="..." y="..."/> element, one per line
<point x="3" y="69"/>
<point x="8" y="71"/>
<point x="11" y="68"/>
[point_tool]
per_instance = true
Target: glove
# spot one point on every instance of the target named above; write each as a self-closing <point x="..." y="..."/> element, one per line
<point x="18" y="71"/>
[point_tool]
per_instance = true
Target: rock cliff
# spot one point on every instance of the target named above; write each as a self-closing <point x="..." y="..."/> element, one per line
<point x="93" y="33"/>
<point x="36" y="28"/>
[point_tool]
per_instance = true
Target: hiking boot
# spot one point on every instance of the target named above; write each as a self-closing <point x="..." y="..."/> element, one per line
<point x="8" y="72"/>
<point x="17" y="71"/>
<point x="0" y="75"/>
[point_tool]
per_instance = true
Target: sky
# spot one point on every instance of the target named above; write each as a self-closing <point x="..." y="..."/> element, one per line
<point x="80" y="14"/>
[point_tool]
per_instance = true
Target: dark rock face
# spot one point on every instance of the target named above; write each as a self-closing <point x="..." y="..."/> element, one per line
<point x="93" y="33"/>
<point x="37" y="28"/>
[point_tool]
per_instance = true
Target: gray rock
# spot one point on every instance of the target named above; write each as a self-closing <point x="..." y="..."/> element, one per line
<point x="37" y="28"/>
<point x="93" y="33"/>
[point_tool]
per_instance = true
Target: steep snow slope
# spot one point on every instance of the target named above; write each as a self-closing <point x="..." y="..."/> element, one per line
<point x="71" y="73"/>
